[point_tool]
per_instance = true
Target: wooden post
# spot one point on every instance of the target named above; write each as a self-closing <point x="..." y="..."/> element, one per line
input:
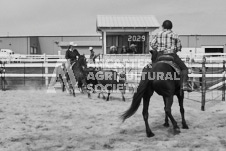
<point x="3" y="80"/>
<point x="203" y="84"/>
<point x="46" y="70"/>
<point x="223" y="80"/>
<point x="104" y="38"/>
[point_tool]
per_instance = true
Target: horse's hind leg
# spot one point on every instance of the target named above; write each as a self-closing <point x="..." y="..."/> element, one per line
<point x="146" y="98"/>
<point x="63" y="87"/>
<point x="72" y="89"/>
<point x="169" y="102"/>
<point x="181" y="104"/>
<point x="62" y="83"/>
<point x="101" y="92"/>
<point x="166" y="124"/>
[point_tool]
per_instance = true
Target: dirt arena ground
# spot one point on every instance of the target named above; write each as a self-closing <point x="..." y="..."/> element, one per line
<point x="34" y="120"/>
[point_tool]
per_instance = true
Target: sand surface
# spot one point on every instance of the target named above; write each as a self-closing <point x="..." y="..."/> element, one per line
<point x="34" y="120"/>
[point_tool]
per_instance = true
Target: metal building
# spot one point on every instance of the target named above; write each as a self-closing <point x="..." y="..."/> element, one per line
<point x="51" y="45"/>
<point x="113" y="30"/>
<point x="124" y="30"/>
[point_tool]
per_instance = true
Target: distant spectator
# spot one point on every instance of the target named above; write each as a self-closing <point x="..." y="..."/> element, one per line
<point x="113" y="50"/>
<point x="124" y="50"/>
<point x="132" y="49"/>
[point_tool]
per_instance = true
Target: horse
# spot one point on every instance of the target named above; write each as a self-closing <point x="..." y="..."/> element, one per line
<point x="166" y="88"/>
<point x="91" y="82"/>
<point x="107" y="80"/>
<point x="79" y="73"/>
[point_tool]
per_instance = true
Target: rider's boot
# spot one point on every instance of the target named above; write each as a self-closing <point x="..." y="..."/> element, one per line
<point x="185" y="84"/>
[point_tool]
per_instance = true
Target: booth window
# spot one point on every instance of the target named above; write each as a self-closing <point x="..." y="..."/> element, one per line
<point x="214" y="50"/>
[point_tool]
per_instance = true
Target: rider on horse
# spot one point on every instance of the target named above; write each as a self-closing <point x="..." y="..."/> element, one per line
<point x="71" y="55"/>
<point x="167" y="43"/>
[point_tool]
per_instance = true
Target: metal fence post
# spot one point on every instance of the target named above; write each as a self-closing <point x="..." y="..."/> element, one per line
<point x="223" y="80"/>
<point x="203" y="84"/>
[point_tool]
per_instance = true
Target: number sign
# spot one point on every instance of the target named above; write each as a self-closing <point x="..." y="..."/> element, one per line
<point x="136" y="37"/>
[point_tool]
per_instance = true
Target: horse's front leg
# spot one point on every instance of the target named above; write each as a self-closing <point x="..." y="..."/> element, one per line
<point x="84" y="83"/>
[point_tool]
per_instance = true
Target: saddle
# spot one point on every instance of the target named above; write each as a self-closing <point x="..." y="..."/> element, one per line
<point x="168" y="59"/>
<point x="165" y="58"/>
<point x="172" y="64"/>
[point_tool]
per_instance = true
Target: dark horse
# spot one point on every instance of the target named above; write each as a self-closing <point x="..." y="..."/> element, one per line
<point x="105" y="80"/>
<point x="79" y="73"/>
<point x="111" y="80"/>
<point x="166" y="88"/>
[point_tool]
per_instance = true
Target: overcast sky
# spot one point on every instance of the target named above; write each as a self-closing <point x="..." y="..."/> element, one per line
<point x="78" y="17"/>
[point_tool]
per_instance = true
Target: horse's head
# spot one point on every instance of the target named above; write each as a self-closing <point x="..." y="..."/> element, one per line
<point x="122" y="77"/>
<point x="82" y="61"/>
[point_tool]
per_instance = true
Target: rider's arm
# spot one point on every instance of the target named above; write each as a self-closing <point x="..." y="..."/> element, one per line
<point x="67" y="56"/>
<point x="154" y="43"/>
<point x="178" y="44"/>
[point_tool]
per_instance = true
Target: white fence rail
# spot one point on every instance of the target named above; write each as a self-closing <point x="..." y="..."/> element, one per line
<point x="129" y="61"/>
<point x="211" y="57"/>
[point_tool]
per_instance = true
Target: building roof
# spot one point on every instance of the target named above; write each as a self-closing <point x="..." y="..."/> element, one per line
<point x="126" y="21"/>
<point x="81" y="43"/>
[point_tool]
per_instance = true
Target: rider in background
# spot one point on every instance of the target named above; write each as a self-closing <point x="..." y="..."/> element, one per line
<point x="93" y="56"/>
<point x="71" y="55"/>
<point x="167" y="42"/>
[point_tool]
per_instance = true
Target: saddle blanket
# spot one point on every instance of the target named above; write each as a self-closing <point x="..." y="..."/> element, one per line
<point x="172" y="64"/>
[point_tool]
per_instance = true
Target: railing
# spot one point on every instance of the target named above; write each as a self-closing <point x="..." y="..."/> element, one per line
<point x="211" y="57"/>
<point x="128" y="61"/>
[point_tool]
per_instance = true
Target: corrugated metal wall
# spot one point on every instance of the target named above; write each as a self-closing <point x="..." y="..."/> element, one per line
<point x="202" y="40"/>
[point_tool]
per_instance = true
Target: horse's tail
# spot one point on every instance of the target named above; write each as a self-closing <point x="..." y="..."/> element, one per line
<point x="136" y="100"/>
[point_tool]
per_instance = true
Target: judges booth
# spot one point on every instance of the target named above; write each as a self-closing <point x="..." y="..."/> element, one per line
<point x="122" y="31"/>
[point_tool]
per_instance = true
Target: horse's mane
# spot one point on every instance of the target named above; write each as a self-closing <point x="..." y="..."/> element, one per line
<point x="76" y="51"/>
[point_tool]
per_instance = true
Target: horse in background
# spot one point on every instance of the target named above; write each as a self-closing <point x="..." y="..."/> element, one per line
<point x="79" y="73"/>
<point x="106" y="80"/>
<point x="116" y="81"/>
<point x="69" y="78"/>
<point x="166" y="88"/>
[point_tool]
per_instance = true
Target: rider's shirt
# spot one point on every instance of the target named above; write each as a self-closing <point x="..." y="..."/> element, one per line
<point x="166" y="41"/>
<point x="92" y="54"/>
<point x="72" y="55"/>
